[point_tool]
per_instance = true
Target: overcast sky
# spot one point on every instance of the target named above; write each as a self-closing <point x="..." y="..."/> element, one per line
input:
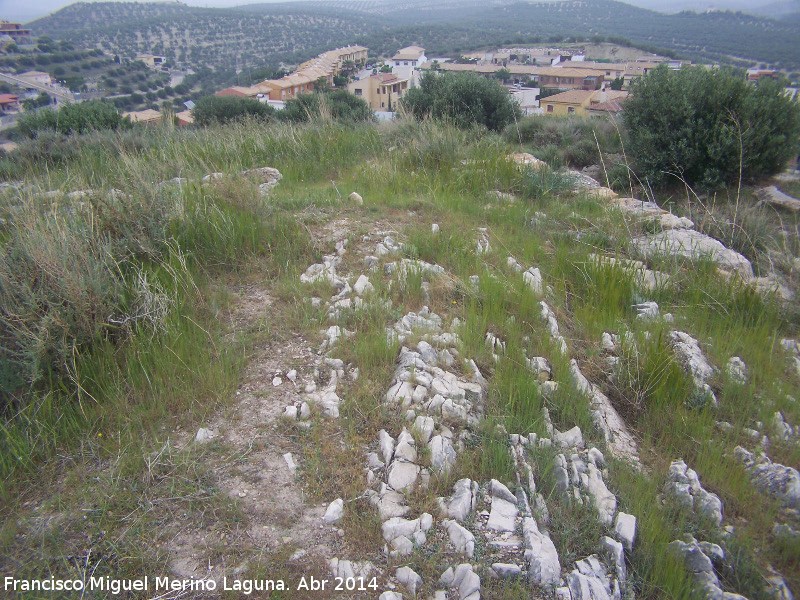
<point x="23" y="11"/>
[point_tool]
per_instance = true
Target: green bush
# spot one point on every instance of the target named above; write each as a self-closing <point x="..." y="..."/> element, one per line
<point x="224" y="109"/>
<point x="73" y="118"/>
<point x="703" y="125"/>
<point x="340" y="104"/>
<point x="465" y="98"/>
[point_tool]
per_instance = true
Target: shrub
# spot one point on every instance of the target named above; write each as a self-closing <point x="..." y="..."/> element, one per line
<point x="73" y="118"/>
<point x="224" y="109"/>
<point x="339" y="104"/>
<point x="705" y="124"/>
<point x="465" y="98"/>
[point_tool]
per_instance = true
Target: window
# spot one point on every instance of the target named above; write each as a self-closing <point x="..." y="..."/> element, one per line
<point x="358" y="92"/>
<point x="570" y="109"/>
<point x="549" y="108"/>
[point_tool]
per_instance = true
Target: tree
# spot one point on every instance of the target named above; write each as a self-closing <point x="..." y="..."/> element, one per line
<point x="466" y="98"/>
<point x="41" y="100"/>
<point x="73" y="118"/>
<point x="617" y="83"/>
<point x="502" y="74"/>
<point x="708" y="126"/>
<point x="340" y="104"/>
<point x="224" y="109"/>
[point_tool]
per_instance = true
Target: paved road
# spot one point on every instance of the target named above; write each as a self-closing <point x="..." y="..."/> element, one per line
<point x="58" y="93"/>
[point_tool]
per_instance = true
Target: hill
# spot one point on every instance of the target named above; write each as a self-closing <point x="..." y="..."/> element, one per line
<point x="396" y="351"/>
<point x="268" y="34"/>
<point x="220" y="39"/>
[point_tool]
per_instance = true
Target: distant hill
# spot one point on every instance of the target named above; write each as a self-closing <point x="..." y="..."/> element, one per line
<point x="251" y="36"/>
<point x="778" y="10"/>
<point x="728" y="37"/>
<point x="219" y="39"/>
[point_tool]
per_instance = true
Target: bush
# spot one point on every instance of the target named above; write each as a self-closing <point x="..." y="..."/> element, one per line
<point x="703" y="124"/>
<point x="73" y="118"/>
<point x="224" y="109"/>
<point x="340" y="105"/>
<point x="465" y="98"/>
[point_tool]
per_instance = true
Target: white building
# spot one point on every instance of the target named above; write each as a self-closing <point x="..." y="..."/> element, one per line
<point x="413" y="56"/>
<point x="406" y="62"/>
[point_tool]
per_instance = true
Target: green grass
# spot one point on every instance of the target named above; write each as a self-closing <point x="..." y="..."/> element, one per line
<point x="88" y="426"/>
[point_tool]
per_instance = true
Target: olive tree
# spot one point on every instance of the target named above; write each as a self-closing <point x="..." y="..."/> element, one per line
<point x="709" y="127"/>
<point x="465" y="98"/>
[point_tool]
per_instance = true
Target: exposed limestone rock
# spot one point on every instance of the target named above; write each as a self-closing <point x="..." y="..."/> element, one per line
<point x="465" y="582"/>
<point x="524" y="159"/>
<point x="504" y="508"/>
<point x="533" y="279"/>
<point x="388" y="502"/>
<point x="443" y="456"/>
<point x="683" y="486"/>
<point x="402" y="475"/>
<point x="265" y="175"/>
<point x="403" y="534"/>
<point x="604" y="500"/>
<point x="605" y="417"/>
<point x="462" y="502"/>
<point x="625" y="529"/>
<point x="541" y="556"/>
<point x="690" y="356"/>
<point x="363" y="286"/>
<point x="736" y="370"/>
<point x="424" y="427"/>
<point x="335" y="512"/>
<point x="696" y="560"/>
<point x="461" y="538"/>
<point x="694" y="245"/>
<point x="650" y="210"/>
<point x="506" y="571"/>
<point x="356" y="198"/>
<point x="781" y="429"/>
<point x="569" y="439"/>
<point x="540" y="366"/>
<point x="771" y="478"/>
<point x="513" y="264"/>
<point x="615" y="556"/>
<point x="409" y="578"/>
<point x="774" y="197"/>
<point x="646" y="311"/>
<point x="589" y="581"/>
<point x="203" y="435"/>
<point x="549" y="317"/>
<point x="483" y="246"/>
<point x="645" y="278"/>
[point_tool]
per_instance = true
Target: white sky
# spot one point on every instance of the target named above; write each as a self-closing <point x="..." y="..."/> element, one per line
<point x="23" y="11"/>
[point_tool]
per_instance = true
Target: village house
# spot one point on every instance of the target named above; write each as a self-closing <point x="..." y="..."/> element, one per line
<point x="289" y="86"/>
<point x="184" y="118"/>
<point x="381" y="91"/>
<point x="148" y="117"/>
<point x="9" y="103"/>
<point x="578" y="102"/>
<point x="570" y="78"/>
<point x="258" y="91"/>
<point x="606" y="109"/>
<point x="37" y="77"/>
<point x="330" y="63"/>
<point x="412" y="56"/>
<point x="637" y="69"/>
<point x="16" y="32"/>
<point x="152" y="60"/>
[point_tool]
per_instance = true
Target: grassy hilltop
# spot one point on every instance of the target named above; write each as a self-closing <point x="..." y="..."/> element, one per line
<point x="154" y="304"/>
